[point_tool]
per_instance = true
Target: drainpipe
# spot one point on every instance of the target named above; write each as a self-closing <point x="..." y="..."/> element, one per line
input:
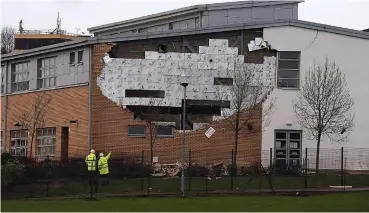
<point x="6" y="106"/>
<point x="90" y="99"/>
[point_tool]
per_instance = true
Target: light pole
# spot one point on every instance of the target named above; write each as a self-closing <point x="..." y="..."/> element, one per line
<point x="183" y="139"/>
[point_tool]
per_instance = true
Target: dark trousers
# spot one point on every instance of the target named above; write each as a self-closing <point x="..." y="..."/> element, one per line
<point x="93" y="181"/>
<point x="104" y="179"/>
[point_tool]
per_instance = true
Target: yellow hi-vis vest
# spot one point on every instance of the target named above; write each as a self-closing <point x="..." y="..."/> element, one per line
<point x="103" y="165"/>
<point x="91" y="162"/>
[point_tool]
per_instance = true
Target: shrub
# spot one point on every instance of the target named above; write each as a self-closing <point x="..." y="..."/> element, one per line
<point x="11" y="171"/>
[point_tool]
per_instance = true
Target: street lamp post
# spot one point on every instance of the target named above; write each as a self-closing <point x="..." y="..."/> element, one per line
<point x="183" y="139"/>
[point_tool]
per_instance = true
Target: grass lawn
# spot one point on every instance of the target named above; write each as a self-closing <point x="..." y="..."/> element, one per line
<point x="159" y="185"/>
<point x="343" y="202"/>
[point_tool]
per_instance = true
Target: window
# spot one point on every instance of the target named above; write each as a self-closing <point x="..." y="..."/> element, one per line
<point x="136" y="131"/>
<point x="145" y="93"/>
<point x="170" y="26"/>
<point x="46" y="73"/>
<point x="2" y="79"/>
<point x="164" y="132"/>
<point x="46" y="142"/>
<point x="72" y="58"/>
<point x="80" y="57"/>
<point x="223" y="81"/>
<point x="288" y="69"/>
<point x="18" y="139"/>
<point x="20" y="76"/>
<point x="288" y="147"/>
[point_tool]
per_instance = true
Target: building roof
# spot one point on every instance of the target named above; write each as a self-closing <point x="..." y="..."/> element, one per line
<point x="189" y="31"/>
<point x="232" y="27"/>
<point x="188" y="10"/>
<point x="44" y="49"/>
<point x="366" y="30"/>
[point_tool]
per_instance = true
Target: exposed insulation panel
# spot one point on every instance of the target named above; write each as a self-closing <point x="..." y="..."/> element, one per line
<point x="166" y="71"/>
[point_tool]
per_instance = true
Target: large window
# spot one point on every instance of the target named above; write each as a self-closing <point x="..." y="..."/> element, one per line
<point x="19" y="139"/>
<point x="20" y="76"/>
<point x="46" y="142"/>
<point x="136" y="131"/>
<point x="46" y="72"/>
<point x="288" y="69"/>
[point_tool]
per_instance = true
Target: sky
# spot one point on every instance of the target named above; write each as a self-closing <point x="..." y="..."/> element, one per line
<point x="78" y="15"/>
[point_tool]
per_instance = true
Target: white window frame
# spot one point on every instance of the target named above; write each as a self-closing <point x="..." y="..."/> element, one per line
<point x="20" y="76"/>
<point x="46" y="74"/>
<point x="16" y="137"/>
<point x="46" y="142"/>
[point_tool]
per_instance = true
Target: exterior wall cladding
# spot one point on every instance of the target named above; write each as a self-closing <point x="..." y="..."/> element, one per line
<point x="110" y="121"/>
<point x="351" y="55"/>
<point x="69" y="97"/>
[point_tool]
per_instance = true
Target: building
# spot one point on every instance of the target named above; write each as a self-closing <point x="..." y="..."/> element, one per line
<point x="29" y="39"/>
<point x="195" y="41"/>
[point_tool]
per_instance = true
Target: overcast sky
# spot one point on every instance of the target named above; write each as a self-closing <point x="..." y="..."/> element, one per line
<point x="82" y="14"/>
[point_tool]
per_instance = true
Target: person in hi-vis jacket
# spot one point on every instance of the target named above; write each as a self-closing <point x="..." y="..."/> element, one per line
<point x="103" y="167"/>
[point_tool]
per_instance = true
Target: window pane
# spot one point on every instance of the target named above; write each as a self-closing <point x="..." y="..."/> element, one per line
<point x="164" y="131"/>
<point x="52" y="72"/>
<point x="41" y="83"/>
<point x="295" y="135"/>
<point x="72" y="58"/>
<point x="46" y="63"/>
<point x="46" y="73"/>
<point x="13" y="143"/>
<point x="281" y="135"/>
<point x="288" y="64"/>
<point x="23" y="134"/>
<point x="288" y="74"/>
<point x="289" y="55"/>
<point x="12" y="151"/>
<point x="136" y="130"/>
<point x="80" y="56"/>
<point x="46" y="82"/>
<point x="288" y="83"/>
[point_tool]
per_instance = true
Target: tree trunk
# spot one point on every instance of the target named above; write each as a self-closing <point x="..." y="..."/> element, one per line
<point x="30" y="152"/>
<point x="317" y="153"/>
<point x="236" y="139"/>
<point x="151" y="145"/>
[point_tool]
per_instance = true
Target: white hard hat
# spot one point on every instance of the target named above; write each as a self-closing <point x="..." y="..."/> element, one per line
<point x="92" y="151"/>
<point x="101" y="154"/>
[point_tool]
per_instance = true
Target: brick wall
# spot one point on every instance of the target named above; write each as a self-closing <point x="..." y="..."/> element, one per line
<point x="67" y="104"/>
<point x="110" y="122"/>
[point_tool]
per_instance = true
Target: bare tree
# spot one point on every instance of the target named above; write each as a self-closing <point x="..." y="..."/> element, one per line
<point x="7" y="39"/>
<point x="324" y="106"/>
<point x="248" y="96"/>
<point x="35" y="115"/>
<point x="150" y="114"/>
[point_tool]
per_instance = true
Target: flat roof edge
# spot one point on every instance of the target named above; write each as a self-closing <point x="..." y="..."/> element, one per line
<point x="190" y="9"/>
<point x="231" y="27"/>
<point x="45" y="49"/>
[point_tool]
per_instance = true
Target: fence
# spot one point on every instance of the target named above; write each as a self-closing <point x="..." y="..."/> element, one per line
<point x="133" y="174"/>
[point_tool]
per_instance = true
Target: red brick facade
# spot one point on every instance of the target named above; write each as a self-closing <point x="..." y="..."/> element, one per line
<point x="110" y="123"/>
<point x="66" y="104"/>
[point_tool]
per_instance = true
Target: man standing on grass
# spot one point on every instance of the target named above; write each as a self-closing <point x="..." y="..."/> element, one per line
<point x="91" y="167"/>
<point x="104" y="168"/>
